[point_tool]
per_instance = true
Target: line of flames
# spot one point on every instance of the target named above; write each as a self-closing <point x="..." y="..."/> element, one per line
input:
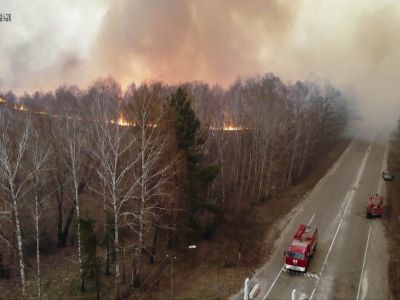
<point x="19" y="106"/>
<point x="122" y="121"/>
<point x="228" y="127"/>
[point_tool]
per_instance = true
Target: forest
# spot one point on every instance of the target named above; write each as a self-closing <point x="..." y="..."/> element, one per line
<point x="123" y="177"/>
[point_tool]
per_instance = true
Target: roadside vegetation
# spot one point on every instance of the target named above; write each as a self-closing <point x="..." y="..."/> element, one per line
<point x="392" y="215"/>
<point x="110" y="194"/>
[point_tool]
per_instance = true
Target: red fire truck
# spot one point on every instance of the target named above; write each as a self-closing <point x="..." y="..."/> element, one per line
<point x="302" y="248"/>
<point x="375" y="206"/>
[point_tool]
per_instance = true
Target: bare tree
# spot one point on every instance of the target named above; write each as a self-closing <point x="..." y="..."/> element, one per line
<point x="38" y="155"/>
<point x="112" y="150"/>
<point x="14" y="136"/>
<point x="75" y="138"/>
<point x="153" y="170"/>
<point x="66" y="103"/>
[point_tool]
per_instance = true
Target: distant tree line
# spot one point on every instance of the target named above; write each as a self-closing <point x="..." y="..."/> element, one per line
<point x="123" y="174"/>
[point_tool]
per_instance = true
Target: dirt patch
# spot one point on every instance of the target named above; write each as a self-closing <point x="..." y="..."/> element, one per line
<point x="391" y="221"/>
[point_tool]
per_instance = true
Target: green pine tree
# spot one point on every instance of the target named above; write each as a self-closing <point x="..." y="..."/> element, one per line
<point x="190" y="142"/>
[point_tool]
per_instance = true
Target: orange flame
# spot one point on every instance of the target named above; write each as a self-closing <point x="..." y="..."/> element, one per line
<point x="228" y="127"/>
<point x="122" y="121"/>
<point x="20" y="107"/>
<point x="232" y="128"/>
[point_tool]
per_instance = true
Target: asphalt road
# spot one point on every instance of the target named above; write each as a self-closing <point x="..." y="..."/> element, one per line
<point x="351" y="258"/>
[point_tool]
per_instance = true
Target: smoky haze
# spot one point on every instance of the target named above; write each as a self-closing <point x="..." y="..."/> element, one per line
<point x="213" y="41"/>
<point x="353" y="44"/>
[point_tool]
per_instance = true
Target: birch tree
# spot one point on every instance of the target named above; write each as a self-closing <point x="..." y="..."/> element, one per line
<point x="111" y="149"/>
<point x="75" y="137"/>
<point x="39" y="155"/>
<point x="14" y="137"/>
<point x="152" y="171"/>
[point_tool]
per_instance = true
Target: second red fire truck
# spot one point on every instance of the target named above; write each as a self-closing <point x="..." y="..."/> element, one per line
<point x="375" y="206"/>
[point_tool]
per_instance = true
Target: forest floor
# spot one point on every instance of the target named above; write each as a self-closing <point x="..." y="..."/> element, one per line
<point x="210" y="271"/>
<point x="391" y="220"/>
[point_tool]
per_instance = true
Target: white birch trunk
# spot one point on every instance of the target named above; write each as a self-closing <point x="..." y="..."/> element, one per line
<point x="76" y="195"/>
<point x="75" y="143"/>
<point x="20" y="249"/>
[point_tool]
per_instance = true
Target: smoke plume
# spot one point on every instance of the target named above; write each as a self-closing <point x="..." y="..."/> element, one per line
<point x="353" y="44"/>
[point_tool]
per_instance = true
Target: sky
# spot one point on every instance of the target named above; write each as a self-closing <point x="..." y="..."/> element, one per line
<point x="354" y="44"/>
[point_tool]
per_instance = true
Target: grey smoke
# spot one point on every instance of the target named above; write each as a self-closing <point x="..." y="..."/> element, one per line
<point x="355" y="45"/>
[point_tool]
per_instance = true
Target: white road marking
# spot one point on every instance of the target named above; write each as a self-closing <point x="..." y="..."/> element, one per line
<point x="312" y="218"/>
<point x="302" y="274"/>
<point x="363" y="265"/>
<point x="364" y="285"/>
<point x="357" y="182"/>
<point x="312" y="294"/>
<point x="331" y="246"/>
<point x="272" y="285"/>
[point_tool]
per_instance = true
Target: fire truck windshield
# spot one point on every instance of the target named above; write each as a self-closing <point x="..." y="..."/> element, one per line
<point x="296" y="255"/>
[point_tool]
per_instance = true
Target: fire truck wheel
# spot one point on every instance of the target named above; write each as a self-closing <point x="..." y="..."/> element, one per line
<point x="369" y="216"/>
